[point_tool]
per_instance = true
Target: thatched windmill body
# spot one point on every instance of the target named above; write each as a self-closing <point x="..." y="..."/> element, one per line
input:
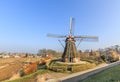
<point x="70" y="50"/>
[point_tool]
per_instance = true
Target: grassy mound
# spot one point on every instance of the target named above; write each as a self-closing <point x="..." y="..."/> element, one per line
<point x="64" y="67"/>
<point x="28" y="78"/>
<point x="82" y="67"/>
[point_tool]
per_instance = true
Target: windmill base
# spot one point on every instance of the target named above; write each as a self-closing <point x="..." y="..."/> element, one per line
<point x="71" y="60"/>
<point x="59" y="66"/>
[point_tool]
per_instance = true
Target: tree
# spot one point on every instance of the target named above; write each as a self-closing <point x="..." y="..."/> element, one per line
<point x="44" y="52"/>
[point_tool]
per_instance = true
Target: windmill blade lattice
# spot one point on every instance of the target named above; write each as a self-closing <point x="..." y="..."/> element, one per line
<point x="87" y="37"/>
<point x="56" y="36"/>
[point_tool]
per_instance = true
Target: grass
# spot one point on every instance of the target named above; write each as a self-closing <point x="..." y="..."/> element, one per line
<point x="30" y="77"/>
<point x="0" y="63"/>
<point x="109" y="75"/>
<point x="70" y="68"/>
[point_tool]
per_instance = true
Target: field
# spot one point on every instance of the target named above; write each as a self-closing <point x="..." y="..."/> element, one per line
<point x="37" y="76"/>
<point x="10" y="66"/>
<point x="109" y="75"/>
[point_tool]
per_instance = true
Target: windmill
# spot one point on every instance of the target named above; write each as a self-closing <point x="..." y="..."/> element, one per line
<point x="70" y="50"/>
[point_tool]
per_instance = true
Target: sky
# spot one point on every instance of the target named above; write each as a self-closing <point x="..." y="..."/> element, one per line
<point x="24" y="24"/>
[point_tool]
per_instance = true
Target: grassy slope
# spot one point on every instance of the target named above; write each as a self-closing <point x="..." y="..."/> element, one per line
<point x="109" y="75"/>
<point x="30" y="77"/>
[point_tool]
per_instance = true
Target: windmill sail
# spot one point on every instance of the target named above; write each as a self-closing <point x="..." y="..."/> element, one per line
<point x="87" y="37"/>
<point x="71" y="26"/>
<point x="56" y="36"/>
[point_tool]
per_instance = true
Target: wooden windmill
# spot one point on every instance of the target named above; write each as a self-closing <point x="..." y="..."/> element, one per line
<point x="70" y="50"/>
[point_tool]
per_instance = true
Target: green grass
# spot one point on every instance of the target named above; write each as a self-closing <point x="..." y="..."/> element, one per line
<point x="0" y="63"/>
<point x="109" y="75"/>
<point x="29" y="78"/>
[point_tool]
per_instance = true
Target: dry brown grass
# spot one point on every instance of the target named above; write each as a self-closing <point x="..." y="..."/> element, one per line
<point x="10" y="66"/>
<point x="15" y="76"/>
<point x="30" y="68"/>
<point x="8" y="71"/>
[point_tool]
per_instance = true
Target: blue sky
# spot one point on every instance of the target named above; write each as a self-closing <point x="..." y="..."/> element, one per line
<point x="24" y="24"/>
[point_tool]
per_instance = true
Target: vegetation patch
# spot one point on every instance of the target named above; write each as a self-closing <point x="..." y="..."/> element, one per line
<point x="109" y="75"/>
<point x="64" y="67"/>
<point x="82" y="67"/>
<point x="29" y="78"/>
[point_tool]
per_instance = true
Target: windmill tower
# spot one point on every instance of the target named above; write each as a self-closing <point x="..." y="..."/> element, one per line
<point x="70" y="50"/>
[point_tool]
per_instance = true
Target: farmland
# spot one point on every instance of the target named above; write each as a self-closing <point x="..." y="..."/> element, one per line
<point x="10" y="68"/>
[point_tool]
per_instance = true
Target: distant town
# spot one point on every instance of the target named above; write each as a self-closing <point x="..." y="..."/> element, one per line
<point x="45" y="52"/>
